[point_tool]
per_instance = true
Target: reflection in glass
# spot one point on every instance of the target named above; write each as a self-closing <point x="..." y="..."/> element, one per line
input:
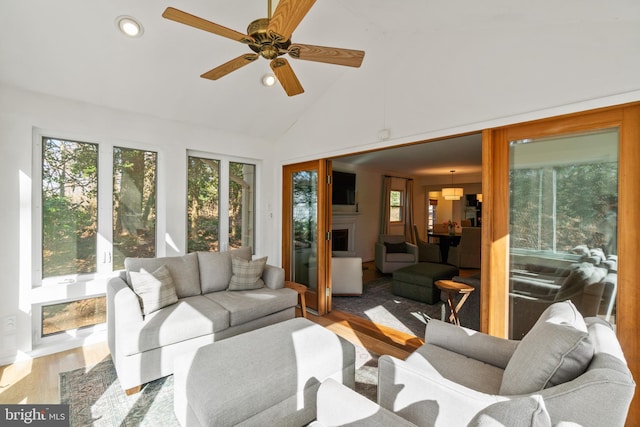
<point x="563" y="226"/>
<point x="305" y="230"/>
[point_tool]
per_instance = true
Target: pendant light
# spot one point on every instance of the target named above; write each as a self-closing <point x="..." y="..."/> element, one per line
<point x="452" y="193"/>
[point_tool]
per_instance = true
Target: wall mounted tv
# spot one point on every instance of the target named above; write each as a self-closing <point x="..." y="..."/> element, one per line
<point x="344" y="188"/>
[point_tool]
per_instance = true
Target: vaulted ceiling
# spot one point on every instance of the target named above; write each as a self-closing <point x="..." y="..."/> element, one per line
<point x="72" y="49"/>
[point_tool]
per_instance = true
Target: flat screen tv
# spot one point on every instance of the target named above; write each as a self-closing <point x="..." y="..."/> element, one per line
<point x="344" y="188"/>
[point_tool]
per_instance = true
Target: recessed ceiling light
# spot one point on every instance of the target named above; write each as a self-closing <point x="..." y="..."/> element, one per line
<point x="268" y="80"/>
<point x="129" y="26"/>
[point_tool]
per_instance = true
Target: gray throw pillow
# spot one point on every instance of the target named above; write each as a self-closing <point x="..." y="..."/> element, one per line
<point x="246" y="275"/>
<point x="556" y="350"/>
<point x="155" y="290"/>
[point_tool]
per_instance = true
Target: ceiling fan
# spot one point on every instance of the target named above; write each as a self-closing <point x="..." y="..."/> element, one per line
<point x="271" y="38"/>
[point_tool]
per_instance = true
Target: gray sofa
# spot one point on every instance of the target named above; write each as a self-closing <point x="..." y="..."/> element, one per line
<point x="567" y="369"/>
<point x="144" y="346"/>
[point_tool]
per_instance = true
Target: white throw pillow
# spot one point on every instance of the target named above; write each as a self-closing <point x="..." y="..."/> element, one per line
<point x="155" y="290"/>
<point x="246" y="275"/>
<point x="556" y="350"/>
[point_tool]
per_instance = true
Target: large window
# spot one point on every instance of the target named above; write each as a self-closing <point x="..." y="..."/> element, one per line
<point x="242" y="182"/>
<point x="69" y="207"/>
<point x="211" y="184"/>
<point x="87" y="229"/>
<point x="134" y="204"/>
<point x="203" y="199"/>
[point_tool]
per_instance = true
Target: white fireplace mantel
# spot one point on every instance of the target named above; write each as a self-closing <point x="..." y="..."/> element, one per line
<point x="346" y="221"/>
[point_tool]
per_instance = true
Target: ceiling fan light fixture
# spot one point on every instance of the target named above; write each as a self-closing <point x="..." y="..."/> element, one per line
<point x="129" y="26"/>
<point x="268" y="80"/>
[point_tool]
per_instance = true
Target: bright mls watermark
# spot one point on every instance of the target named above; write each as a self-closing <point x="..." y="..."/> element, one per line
<point x="34" y="415"/>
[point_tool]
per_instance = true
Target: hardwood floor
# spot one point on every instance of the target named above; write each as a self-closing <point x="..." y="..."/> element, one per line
<point x="36" y="381"/>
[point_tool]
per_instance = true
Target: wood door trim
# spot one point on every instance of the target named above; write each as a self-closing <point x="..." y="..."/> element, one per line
<point x="495" y="175"/>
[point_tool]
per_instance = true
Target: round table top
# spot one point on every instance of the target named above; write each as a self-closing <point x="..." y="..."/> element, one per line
<point x="450" y="285"/>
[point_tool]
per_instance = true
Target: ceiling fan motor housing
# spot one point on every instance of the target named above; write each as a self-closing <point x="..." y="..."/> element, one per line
<point x="268" y="46"/>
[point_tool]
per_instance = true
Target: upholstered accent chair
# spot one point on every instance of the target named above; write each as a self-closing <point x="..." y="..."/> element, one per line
<point x="393" y="252"/>
<point x="467" y="253"/>
<point x="568" y="370"/>
<point x="427" y="252"/>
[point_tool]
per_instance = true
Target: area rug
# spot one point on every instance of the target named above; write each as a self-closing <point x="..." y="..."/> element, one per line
<point x="96" y="398"/>
<point x="378" y="304"/>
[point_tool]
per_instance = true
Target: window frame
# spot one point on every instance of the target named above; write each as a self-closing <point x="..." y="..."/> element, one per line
<point x="223" y="195"/>
<point x="73" y="287"/>
<point x="400" y="206"/>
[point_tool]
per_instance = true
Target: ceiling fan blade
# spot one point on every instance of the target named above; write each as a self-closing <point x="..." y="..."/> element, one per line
<point x="228" y="67"/>
<point x="329" y="55"/>
<point x="202" y="24"/>
<point x="286" y="17"/>
<point x="286" y="76"/>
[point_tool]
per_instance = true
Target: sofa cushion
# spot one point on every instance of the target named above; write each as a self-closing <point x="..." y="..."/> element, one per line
<point x="189" y="318"/>
<point x="215" y="268"/>
<point x="246" y="275"/>
<point x="556" y="350"/>
<point x="245" y="306"/>
<point x="155" y="290"/>
<point x="215" y="271"/>
<point x="400" y="257"/>
<point x="436" y="362"/>
<point x="183" y="269"/>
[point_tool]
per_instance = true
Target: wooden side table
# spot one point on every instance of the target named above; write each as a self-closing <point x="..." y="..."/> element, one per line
<point x="301" y="290"/>
<point x="452" y="289"/>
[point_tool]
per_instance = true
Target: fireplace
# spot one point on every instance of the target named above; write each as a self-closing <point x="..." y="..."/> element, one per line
<point x="340" y="239"/>
<point x="343" y="232"/>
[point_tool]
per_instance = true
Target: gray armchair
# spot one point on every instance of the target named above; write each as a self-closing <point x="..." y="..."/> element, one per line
<point x="467" y="253"/>
<point x="568" y="369"/>
<point x="427" y="252"/>
<point x="393" y="252"/>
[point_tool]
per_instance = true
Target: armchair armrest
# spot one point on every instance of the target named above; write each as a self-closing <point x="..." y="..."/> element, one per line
<point x="380" y="250"/>
<point x="477" y="345"/>
<point x="338" y="405"/>
<point x="273" y="276"/>
<point x="412" y="249"/>
<point x="380" y="255"/>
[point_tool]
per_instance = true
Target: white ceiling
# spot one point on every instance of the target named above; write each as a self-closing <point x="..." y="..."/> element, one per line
<point x="72" y="49"/>
<point x="437" y="158"/>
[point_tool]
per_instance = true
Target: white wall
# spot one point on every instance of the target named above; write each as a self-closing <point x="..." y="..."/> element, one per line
<point x="500" y="74"/>
<point x="22" y="111"/>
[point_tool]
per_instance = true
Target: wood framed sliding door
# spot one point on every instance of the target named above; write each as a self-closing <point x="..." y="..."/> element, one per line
<point x="502" y="168"/>
<point x="306" y="227"/>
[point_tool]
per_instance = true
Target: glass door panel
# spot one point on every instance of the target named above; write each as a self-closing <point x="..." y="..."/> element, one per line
<point x="306" y="245"/>
<point x="563" y="193"/>
<point x="305" y="230"/>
